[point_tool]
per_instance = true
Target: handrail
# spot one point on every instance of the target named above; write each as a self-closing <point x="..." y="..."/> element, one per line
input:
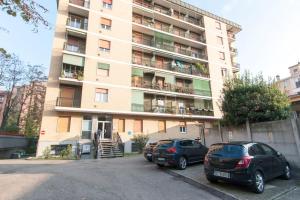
<point x="118" y="141"/>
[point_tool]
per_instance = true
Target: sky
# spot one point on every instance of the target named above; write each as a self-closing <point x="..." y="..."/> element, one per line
<point x="269" y="42"/>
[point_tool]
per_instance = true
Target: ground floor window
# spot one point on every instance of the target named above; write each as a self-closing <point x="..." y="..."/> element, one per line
<point x="138" y="126"/>
<point x="121" y="126"/>
<point x="86" y="127"/>
<point x="56" y="149"/>
<point x="182" y="127"/>
<point x="161" y="126"/>
<point x="63" y="124"/>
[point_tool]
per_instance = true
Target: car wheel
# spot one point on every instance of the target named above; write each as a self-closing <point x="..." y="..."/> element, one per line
<point x="258" y="182"/>
<point x="211" y="179"/>
<point x="182" y="163"/>
<point x="160" y="165"/>
<point x="287" y="173"/>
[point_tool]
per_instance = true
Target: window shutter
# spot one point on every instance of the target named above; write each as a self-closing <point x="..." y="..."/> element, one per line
<point x="105" y="21"/>
<point x="104" y="44"/>
<point x="138" y="126"/>
<point x="161" y="126"/>
<point x="202" y="87"/>
<point x="107" y="1"/>
<point x="103" y="66"/>
<point x="137" y="72"/>
<point x="63" y="124"/>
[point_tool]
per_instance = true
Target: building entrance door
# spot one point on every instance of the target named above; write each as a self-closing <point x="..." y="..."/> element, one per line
<point x="104" y="130"/>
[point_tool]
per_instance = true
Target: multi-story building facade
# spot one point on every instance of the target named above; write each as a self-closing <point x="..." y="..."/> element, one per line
<point x="291" y="87"/>
<point x="135" y="67"/>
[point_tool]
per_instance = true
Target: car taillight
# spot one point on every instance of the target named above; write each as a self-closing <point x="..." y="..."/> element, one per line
<point x="244" y="162"/>
<point x="171" y="150"/>
<point x="206" y="160"/>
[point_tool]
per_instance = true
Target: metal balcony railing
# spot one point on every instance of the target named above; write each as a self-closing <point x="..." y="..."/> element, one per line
<point x="68" y="102"/>
<point x="190" y="110"/>
<point x="169" y="47"/>
<point x="170" y="88"/>
<point x="77" y="23"/>
<point x="74" y="48"/>
<point x="197" y="22"/>
<point x="82" y="3"/>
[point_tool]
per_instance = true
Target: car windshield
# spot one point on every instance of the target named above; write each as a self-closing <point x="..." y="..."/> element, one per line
<point x="165" y="143"/>
<point x="226" y="149"/>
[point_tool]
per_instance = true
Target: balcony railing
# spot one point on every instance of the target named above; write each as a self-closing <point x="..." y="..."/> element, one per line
<point x="168" y="12"/>
<point x="233" y="50"/>
<point x="74" y="48"/>
<point x="77" y="23"/>
<point x="171" y="88"/>
<point x="236" y="65"/>
<point x="169" y="47"/>
<point x="78" y="74"/>
<point x="167" y="29"/>
<point x="170" y="66"/>
<point x="68" y="102"/>
<point x="191" y="110"/>
<point x="83" y="3"/>
<point x="231" y="35"/>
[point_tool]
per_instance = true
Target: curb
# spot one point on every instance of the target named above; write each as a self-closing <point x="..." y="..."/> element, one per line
<point x="211" y="190"/>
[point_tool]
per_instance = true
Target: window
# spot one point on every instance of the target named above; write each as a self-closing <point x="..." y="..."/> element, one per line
<point x="224" y="72"/>
<point x="298" y="84"/>
<point x="255" y="150"/>
<point x="187" y="143"/>
<point x="101" y="95"/>
<point x="221" y="55"/>
<point x="219" y="40"/>
<point x="182" y="127"/>
<point x="86" y="127"/>
<point x="121" y="126"/>
<point x="63" y="124"/>
<point x="162" y="126"/>
<point x="104" y="45"/>
<point x="218" y="25"/>
<point x="105" y="23"/>
<point x="268" y="150"/>
<point x="107" y="4"/>
<point x="103" y="69"/>
<point x="138" y="126"/>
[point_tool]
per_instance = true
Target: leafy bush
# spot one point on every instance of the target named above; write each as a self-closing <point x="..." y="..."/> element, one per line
<point x="47" y="153"/>
<point x="67" y="152"/>
<point x="140" y="141"/>
<point x="254" y="99"/>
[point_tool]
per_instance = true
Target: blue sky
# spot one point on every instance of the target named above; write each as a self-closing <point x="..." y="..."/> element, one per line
<point x="269" y="41"/>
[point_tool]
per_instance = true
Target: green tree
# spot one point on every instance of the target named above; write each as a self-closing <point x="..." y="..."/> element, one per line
<point x="252" y="98"/>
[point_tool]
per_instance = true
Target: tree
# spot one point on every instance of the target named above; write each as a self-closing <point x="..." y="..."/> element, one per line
<point x="29" y="10"/>
<point x="253" y="99"/>
<point x="140" y="140"/>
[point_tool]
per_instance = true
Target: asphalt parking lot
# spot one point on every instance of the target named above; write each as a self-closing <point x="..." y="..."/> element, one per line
<point x="130" y="178"/>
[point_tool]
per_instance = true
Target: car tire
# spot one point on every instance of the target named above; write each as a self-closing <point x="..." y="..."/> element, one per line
<point x="160" y="165"/>
<point x="287" y="173"/>
<point x="212" y="180"/>
<point x="258" y="180"/>
<point x="182" y="163"/>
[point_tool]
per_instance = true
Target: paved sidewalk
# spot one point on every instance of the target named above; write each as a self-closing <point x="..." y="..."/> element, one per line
<point x="276" y="189"/>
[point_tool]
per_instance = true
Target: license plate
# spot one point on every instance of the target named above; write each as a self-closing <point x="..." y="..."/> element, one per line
<point x="161" y="159"/>
<point x="222" y="174"/>
<point x="149" y="154"/>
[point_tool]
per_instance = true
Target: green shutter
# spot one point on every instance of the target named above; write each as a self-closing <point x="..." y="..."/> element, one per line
<point x="73" y="60"/>
<point x="103" y="66"/>
<point x="137" y="101"/>
<point x="170" y="79"/>
<point x="137" y="72"/>
<point x="202" y="87"/>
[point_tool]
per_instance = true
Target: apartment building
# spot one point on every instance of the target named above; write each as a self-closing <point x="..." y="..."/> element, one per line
<point x="126" y="67"/>
<point x="291" y="87"/>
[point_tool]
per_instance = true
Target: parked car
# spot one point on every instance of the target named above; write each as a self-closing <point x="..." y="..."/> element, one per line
<point x="247" y="163"/>
<point x="148" y="150"/>
<point x="178" y="152"/>
<point x="18" y="154"/>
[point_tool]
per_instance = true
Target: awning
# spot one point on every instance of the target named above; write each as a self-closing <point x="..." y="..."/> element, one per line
<point x="73" y="60"/>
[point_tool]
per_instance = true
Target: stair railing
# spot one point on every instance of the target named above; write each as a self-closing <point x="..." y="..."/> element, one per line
<point x="117" y="140"/>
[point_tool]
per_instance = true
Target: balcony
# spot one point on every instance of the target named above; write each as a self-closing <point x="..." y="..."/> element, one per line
<point x="233" y="50"/>
<point x="68" y="102"/>
<point x="149" y="22"/>
<point x="169" y="47"/>
<point x="231" y="36"/>
<point x="77" y="22"/>
<point x="170" y="65"/>
<point x="170" y="12"/>
<point x="72" y="72"/>
<point x="183" y="86"/>
<point x="191" y="110"/>
<point x="75" y="44"/>
<point x="82" y="3"/>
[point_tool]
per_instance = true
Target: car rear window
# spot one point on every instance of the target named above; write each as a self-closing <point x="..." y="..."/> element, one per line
<point x="227" y="149"/>
<point x="165" y="143"/>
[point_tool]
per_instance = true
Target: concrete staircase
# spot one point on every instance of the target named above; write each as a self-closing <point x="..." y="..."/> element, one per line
<point x="109" y="149"/>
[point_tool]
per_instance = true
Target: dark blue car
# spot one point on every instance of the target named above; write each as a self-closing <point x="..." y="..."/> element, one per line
<point x="178" y="152"/>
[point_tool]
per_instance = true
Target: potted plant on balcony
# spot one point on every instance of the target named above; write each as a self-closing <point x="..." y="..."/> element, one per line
<point x="80" y="75"/>
<point x="202" y="68"/>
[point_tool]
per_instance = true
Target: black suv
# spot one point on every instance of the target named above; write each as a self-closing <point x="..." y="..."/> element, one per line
<point x="178" y="152"/>
<point x="248" y="163"/>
